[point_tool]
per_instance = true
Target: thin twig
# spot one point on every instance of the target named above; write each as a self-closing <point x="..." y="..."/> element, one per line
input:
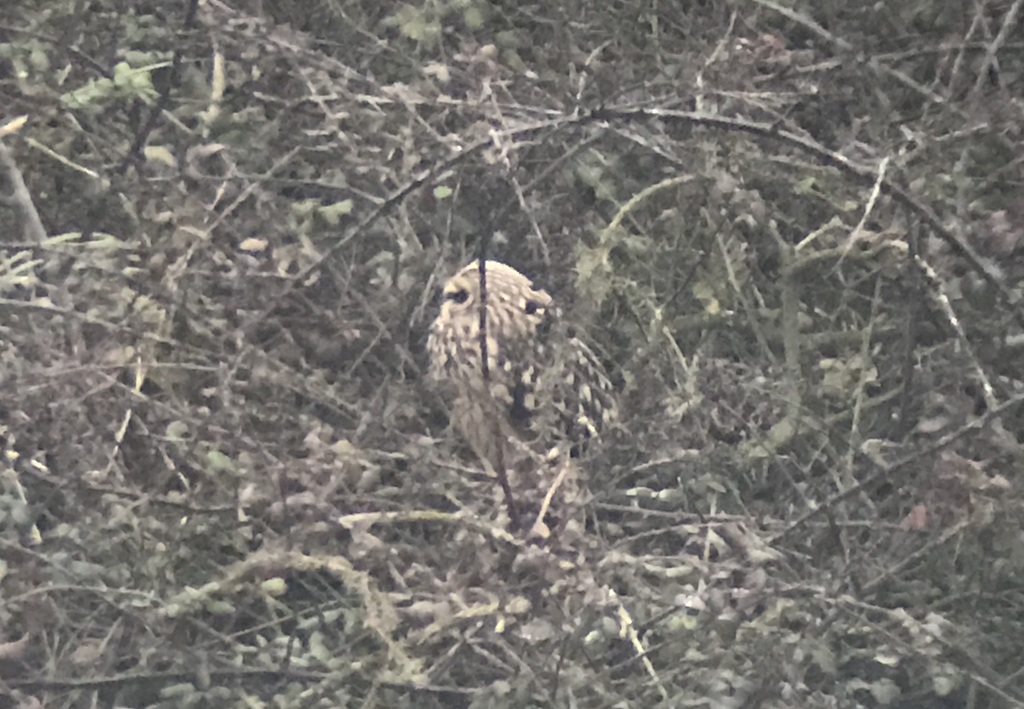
<point x="886" y="471"/>
<point x="32" y="225"/>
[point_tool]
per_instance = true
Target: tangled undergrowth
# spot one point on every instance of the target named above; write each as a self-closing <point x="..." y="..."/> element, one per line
<point x="793" y="239"/>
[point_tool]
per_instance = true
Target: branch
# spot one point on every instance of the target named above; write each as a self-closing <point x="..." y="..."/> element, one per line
<point x="861" y="173"/>
<point x="32" y="225"/>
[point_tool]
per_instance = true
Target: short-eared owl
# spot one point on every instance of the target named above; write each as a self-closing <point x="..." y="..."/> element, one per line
<point x="542" y="388"/>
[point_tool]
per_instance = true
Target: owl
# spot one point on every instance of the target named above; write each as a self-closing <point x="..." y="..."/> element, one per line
<point x="527" y="393"/>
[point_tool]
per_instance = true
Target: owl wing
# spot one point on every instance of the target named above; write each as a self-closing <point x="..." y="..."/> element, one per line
<point x="574" y="389"/>
<point x="521" y="363"/>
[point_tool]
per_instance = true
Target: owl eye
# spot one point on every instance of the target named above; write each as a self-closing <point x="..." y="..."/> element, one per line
<point x="460" y="296"/>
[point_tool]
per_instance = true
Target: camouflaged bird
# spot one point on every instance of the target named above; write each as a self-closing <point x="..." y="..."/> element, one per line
<point x="543" y="392"/>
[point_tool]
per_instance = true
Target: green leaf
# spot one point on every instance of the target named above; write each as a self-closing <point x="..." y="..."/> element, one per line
<point x="219" y="463"/>
<point x="276" y="586"/>
<point x="333" y="213"/>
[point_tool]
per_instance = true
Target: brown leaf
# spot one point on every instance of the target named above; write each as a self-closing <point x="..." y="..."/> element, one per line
<point x="14" y="650"/>
<point x="916" y="519"/>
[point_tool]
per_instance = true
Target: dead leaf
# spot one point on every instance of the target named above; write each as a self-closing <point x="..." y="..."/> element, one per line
<point x="14" y="650"/>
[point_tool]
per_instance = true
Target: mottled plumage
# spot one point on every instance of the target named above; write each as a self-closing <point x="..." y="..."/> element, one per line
<point x="544" y="389"/>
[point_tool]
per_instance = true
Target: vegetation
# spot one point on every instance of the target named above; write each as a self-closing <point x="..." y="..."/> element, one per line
<point x="793" y="233"/>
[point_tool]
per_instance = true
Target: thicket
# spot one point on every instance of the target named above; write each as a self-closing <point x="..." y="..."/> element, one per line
<point x="793" y="233"/>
